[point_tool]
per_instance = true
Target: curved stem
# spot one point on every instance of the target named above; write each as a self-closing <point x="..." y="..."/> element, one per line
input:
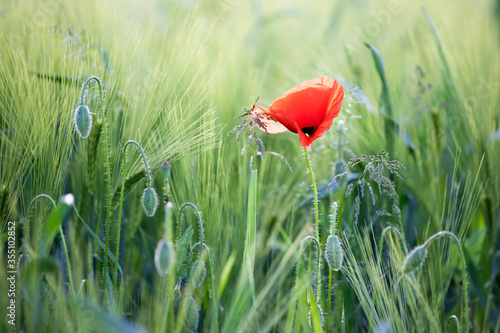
<point x="66" y="254"/>
<point x="464" y="268"/>
<point x="200" y="223"/>
<point x="318" y="256"/>
<point x="108" y="176"/>
<point x="120" y="211"/>
<point x="382" y="238"/>
<point x="27" y="222"/>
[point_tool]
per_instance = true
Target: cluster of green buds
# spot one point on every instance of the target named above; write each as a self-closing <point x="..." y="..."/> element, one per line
<point x="176" y="262"/>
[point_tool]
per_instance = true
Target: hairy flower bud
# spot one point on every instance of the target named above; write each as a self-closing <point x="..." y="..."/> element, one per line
<point x="150" y="201"/>
<point x="165" y="170"/>
<point x="192" y="315"/>
<point x="164" y="257"/>
<point x="83" y="121"/>
<point x="333" y="253"/>
<point x="414" y="259"/>
<point x="198" y="273"/>
<point x="320" y="316"/>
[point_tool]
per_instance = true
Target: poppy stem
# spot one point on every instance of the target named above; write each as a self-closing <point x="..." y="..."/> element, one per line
<point x="316" y="224"/>
<point x="315" y="189"/>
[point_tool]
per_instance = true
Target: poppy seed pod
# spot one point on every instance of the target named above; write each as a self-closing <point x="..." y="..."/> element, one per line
<point x="192" y="315"/>
<point x="149" y="201"/>
<point x="83" y="121"/>
<point x="164" y="257"/>
<point x="414" y="259"/>
<point x="333" y="253"/>
<point x="198" y="273"/>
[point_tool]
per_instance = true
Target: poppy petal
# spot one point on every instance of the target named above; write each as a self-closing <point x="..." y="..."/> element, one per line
<point x="306" y="104"/>
<point x="308" y="110"/>
<point x="265" y="122"/>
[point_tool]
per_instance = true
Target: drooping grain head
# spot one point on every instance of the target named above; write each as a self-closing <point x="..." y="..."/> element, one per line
<point x="333" y="253"/>
<point x="414" y="259"/>
<point x="83" y="121"/>
<point x="150" y="201"/>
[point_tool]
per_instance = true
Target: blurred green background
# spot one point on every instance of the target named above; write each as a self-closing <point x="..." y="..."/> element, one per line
<point x="176" y="73"/>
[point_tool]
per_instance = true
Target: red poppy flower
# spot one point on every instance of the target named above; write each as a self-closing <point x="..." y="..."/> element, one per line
<point x="308" y="109"/>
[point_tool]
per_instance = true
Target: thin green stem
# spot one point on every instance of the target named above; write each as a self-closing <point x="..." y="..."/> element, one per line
<point x="97" y="239"/>
<point x="464" y="268"/>
<point x="330" y="273"/>
<point x="316" y="217"/>
<point x="120" y="211"/>
<point x="66" y="254"/>
<point x="170" y="277"/>
<point x="70" y="276"/>
<point x="339" y="148"/>
<point x="315" y="189"/>
<point x="333" y="231"/>
<point x="108" y="176"/>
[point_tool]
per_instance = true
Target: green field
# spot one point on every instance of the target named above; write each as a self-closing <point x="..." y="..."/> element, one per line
<point x="404" y="235"/>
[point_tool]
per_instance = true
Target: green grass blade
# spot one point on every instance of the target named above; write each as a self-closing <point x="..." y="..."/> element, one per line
<point x="249" y="252"/>
<point x="53" y="223"/>
<point x="98" y="241"/>
<point x="449" y="78"/>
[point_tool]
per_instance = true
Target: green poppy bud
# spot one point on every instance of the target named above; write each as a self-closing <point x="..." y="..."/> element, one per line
<point x="165" y="170"/>
<point x="198" y="273"/>
<point x="333" y="253"/>
<point x="320" y="316"/>
<point x="164" y="257"/>
<point x="83" y="121"/>
<point x="149" y="201"/>
<point x="414" y="259"/>
<point x="192" y="315"/>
